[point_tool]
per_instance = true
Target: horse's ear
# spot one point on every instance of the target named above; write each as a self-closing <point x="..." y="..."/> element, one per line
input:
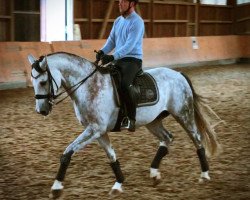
<point x="31" y="59"/>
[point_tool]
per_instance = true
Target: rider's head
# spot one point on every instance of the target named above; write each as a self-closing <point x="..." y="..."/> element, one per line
<point x="127" y="6"/>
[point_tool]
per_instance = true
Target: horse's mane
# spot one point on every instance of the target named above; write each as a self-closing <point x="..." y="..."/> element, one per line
<point x="67" y="53"/>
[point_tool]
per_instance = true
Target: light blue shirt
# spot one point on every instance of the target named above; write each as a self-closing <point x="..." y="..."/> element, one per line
<point x="126" y="37"/>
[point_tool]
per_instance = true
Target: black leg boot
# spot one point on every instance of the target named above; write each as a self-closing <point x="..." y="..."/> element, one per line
<point x="130" y="103"/>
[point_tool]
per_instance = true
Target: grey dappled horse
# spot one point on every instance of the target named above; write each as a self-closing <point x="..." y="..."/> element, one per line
<point x="92" y="94"/>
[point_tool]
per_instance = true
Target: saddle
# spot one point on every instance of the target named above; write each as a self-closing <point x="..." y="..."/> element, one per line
<point x="144" y="87"/>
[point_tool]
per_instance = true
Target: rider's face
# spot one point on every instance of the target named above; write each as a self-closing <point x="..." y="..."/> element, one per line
<point x="123" y="6"/>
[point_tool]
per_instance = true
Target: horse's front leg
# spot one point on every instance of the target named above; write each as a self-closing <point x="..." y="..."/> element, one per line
<point x="80" y="142"/>
<point x="114" y="163"/>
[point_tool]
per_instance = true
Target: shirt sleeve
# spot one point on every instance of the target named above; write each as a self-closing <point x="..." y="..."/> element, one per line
<point x="135" y="34"/>
<point x="110" y="43"/>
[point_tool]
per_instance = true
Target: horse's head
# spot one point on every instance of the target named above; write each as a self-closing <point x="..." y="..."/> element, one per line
<point x="43" y="83"/>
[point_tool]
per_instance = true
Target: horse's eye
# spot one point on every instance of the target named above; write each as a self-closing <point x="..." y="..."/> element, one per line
<point x="43" y="83"/>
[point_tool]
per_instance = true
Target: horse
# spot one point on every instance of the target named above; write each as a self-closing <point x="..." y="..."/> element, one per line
<point x="92" y="94"/>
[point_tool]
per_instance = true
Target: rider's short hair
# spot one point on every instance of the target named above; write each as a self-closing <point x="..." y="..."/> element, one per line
<point x="136" y="1"/>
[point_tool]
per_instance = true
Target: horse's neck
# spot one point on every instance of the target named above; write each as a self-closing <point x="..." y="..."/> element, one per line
<point x="71" y="70"/>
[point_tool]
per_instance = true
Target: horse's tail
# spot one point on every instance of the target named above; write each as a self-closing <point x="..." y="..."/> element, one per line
<point x="203" y="113"/>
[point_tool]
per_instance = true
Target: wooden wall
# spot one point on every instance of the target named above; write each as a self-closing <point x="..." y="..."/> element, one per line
<point x="166" y="18"/>
<point x="215" y="20"/>
<point x="20" y="19"/>
<point x="242" y="24"/>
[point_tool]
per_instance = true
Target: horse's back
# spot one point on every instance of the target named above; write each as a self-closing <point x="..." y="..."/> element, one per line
<point x="163" y="74"/>
<point x="173" y="87"/>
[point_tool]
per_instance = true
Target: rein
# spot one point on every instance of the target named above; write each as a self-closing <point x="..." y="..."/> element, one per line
<point x="51" y="96"/>
<point x="78" y="85"/>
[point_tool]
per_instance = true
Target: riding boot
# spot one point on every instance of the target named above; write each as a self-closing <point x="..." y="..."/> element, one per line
<point x="130" y="104"/>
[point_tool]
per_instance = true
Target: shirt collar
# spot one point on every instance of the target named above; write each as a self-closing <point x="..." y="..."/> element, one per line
<point x="130" y="15"/>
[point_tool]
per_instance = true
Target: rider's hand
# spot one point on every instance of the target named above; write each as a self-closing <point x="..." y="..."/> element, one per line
<point x="99" y="55"/>
<point x="107" y="59"/>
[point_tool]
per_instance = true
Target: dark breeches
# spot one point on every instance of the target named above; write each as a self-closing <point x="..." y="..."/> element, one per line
<point x="129" y="68"/>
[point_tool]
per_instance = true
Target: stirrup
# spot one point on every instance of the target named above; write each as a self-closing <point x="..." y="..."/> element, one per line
<point x="128" y="124"/>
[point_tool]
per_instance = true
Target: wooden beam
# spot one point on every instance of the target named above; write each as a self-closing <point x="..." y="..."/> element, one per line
<point x="243" y="19"/>
<point x="173" y="2"/>
<point x="215" y="22"/>
<point x="151" y="25"/>
<point x="90" y="18"/>
<point x="5" y="17"/>
<point x="27" y="12"/>
<point x="139" y="12"/>
<point x="102" y="20"/>
<point x="170" y="21"/>
<point x="105" y="22"/>
<point x="197" y="16"/>
<point x="81" y="20"/>
<point x="188" y="18"/>
<point x="176" y="18"/>
<point x="12" y="21"/>
<point x="234" y="14"/>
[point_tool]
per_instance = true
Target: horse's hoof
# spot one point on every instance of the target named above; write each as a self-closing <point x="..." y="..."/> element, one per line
<point x="155" y="175"/>
<point x="156" y="181"/>
<point x="55" y="194"/>
<point x="115" y="192"/>
<point x="203" y="180"/>
<point x="204" y="177"/>
<point x="116" y="189"/>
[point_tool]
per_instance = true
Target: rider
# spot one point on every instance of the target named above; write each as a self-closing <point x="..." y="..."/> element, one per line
<point x="126" y="37"/>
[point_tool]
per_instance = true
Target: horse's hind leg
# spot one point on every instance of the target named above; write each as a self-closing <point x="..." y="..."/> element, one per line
<point x="114" y="163"/>
<point x="165" y="138"/>
<point x="187" y="121"/>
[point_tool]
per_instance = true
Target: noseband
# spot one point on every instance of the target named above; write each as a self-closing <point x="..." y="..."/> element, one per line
<point x="51" y="96"/>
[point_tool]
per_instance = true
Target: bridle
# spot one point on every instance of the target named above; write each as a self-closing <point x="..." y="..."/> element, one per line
<point x="51" y="96"/>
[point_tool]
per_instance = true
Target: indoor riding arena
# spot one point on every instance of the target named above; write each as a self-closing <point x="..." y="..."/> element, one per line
<point x="206" y="40"/>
